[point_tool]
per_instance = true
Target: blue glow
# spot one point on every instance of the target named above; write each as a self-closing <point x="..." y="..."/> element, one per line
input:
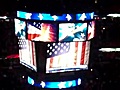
<point x="74" y="31"/>
<point x="30" y="80"/>
<point x="21" y="14"/>
<point x="60" y="85"/>
<point x="20" y="28"/>
<point x="88" y="16"/>
<point x="44" y="16"/>
<point x="49" y="17"/>
<point x="65" y="18"/>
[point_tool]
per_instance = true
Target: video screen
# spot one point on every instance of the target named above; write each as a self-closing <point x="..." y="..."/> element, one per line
<point x="20" y="28"/>
<point x="91" y="30"/>
<point x="27" y="53"/>
<point x="67" y="56"/>
<point x="45" y="32"/>
<point x="72" y="31"/>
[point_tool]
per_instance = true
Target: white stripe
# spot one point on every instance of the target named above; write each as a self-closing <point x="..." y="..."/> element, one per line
<point x="79" y="53"/>
<point x="48" y="64"/>
<point x="34" y="55"/>
<point x="87" y="51"/>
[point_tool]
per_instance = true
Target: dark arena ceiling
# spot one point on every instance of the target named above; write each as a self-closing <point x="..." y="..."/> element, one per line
<point x="61" y="6"/>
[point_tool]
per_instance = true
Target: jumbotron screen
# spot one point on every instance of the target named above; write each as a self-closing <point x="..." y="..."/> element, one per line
<point x="27" y="54"/>
<point x="20" y="28"/>
<point x="72" y="32"/>
<point x="67" y="56"/>
<point x="46" y="32"/>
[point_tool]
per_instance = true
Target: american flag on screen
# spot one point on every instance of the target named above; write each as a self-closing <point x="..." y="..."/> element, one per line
<point x="36" y="25"/>
<point x="85" y="53"/>
<point x="27" y="52"/>
<point x="68" y="54"/>
<point x="55" y="49"/>
<point x="91" y="30"/>
<point x="41" y="31"/>
<point x="22" y="43"/>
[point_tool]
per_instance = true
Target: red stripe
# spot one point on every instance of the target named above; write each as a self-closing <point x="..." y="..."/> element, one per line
<point x="32" y="36"/>
<point x="51" y="62"/>
<point x="76" y="51"/>
<point x="89" y="34"/>
<point x="83" y="53"/>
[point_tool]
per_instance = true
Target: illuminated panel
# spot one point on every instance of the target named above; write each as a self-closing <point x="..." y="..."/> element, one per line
<point x="67" y="56"/>
<point x="85" y="16"/>
<point x="62" y="17"/>
<point x="27" y="54"/>
<point x="42" y="32"/>
<point x="72" y="31"/>
<point x="20" y="28"/>
<point x="59" y="85"/>
<point x="21" y="14"/>
<point x="44" y="16"/>
<point x="91" y="30"/>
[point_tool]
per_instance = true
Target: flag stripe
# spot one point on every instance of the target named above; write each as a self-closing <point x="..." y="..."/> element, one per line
<point x="76" y="51"/>
<point x="87" y="51"/>
<point x="83" y="53"/>
<point x="51" y="62"/>
<point x="33" y="53"/>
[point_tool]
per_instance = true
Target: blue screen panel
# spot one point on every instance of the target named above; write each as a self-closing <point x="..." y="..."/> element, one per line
<point x="21" y="14"/>
<point x="60" y="85"/>
<point x="44" y="16"/>
<point x="49" y="17"/>
<point x="20" y="28"/>
<point x="72" y="31"/>
<point x="85" y="16"/>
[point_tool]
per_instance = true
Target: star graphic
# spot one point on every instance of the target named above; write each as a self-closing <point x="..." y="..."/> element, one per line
<point x="28" y="15"/>
<point x="79" y="81"/>
<point x="83" y="16"/>
<point x="68" y="17"/>
<point x="40" y="16"/>
<point x="54" y="17"/>
<point x="82" y="35"/>
<point x="62" y="85"/>
<point x="42" y="84"/>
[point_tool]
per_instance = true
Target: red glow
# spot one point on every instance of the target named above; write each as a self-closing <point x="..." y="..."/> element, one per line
<point x="12" y="56"/>
<point x="47" y="33"/>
